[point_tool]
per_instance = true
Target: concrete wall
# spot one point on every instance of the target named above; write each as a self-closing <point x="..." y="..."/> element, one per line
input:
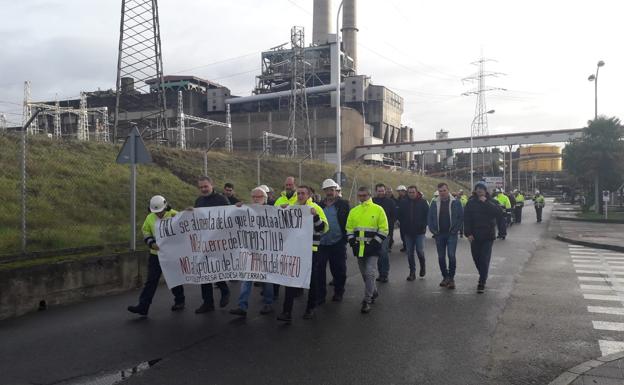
<point x="21" y="290"/>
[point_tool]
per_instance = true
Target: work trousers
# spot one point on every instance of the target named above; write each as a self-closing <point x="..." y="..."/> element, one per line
<point x="481" y="254"/>
<point x="518" y="214"/>
<point x="206" y="291"/>
<point x="291" y="292"/>
<point x="368" y="270"/>
<point x="538" y="213"/>
<point x="336" y="255"/>
<point x="151" y="283"/>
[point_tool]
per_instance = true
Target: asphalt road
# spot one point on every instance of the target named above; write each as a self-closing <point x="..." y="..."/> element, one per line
<point x="529" y="326"/>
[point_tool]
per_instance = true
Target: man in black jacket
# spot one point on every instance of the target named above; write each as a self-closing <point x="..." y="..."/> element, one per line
<point x="481" y="216"/>
<point x="333" y="247"/>
<point x="413" y="220"/>
<point x="228" y="191"/>
<point x="383" y="263"/>
<point x="210" y="198"/>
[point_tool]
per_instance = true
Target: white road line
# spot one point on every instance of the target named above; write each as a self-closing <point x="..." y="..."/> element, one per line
<point x="586" y="260"/>
<point x="603" y="272"/>
<point x="591" y="266"/>
<point x="609" y="347"/>
<point x="603" y="325"/>
<point x="602" y="288"/>
<point x="606" y="310"/>
<point x="602" y="297"/>
<point x="600" y="279"/>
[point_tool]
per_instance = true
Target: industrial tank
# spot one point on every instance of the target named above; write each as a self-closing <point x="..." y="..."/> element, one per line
<point x="540" y="158"/>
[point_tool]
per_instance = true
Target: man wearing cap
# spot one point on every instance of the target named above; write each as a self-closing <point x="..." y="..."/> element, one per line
<point x="481" y="217"/>
<point x="402" y="191"/>
<point x="333" y="246"/>
<point x="159" y="209"/>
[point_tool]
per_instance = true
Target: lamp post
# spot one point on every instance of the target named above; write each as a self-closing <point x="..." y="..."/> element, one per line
<point x="471" y="148"/>
<point x="594" y="78"/>
<point x="338" y="80"/>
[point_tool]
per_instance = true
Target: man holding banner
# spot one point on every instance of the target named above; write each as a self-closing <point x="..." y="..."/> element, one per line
<point x="304" y="198"/>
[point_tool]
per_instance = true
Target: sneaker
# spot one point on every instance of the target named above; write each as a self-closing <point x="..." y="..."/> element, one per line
<point x="225" y="299"/>
<point x="481" y="288"/>
<point x="177" y="306"/>
<point x="444" y="282"/>
<point x="266" y="309"/>
<point x="285" y="317"/>
<point x="138" y="309"/>
<point x="365" y="307"/>
<point x="451" y="284"/>
<point x="239" y="312"/>
<point x="309" y="314"/>
<point x="337" y="298"/>
<point x="411" y="276"/>
<point x="374" y="297"/>
<point x="204" y="308"/>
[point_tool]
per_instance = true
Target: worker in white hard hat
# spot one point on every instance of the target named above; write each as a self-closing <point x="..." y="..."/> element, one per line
<point x="159" y="209"/>
<point x="333" y="246"/>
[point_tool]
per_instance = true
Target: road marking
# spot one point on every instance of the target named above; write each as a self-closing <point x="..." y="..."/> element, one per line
<point x="603" y="272"/>
<point x="600" y="279"/>
<point x="606" y="310"/>
<point x="609" y="347"/>
<point x="603" y="325"/>
<point x="602" y="288"/>
<point x="594" y="266"/>
<point x="602" y="297"/>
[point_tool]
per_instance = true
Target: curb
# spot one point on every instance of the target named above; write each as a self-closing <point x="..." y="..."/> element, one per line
<point x="589" y="220"/>
<point x="590" y="244"/>
<point x="572" y="374"/>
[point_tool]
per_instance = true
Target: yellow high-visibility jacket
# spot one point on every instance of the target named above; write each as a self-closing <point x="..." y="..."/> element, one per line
<point x="503" y="200"/>
<point x="367" y="228"/>
<point x="519" y="200"/>
<point x="284" y="200"/>
<point x="149" y="228"/>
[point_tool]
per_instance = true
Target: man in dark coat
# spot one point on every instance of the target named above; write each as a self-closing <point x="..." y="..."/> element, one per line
<point x="413" y="220"/>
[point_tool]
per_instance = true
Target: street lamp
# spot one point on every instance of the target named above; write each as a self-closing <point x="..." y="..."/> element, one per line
<point x="594" y="78"/>
<point x="471" y="155"/>
<point x="338" y="80"/>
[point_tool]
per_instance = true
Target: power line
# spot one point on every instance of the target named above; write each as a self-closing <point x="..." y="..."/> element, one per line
<point x="217" y="62"/>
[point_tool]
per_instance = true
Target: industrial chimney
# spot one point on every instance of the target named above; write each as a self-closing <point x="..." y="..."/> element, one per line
<point x="349" y="30"/>
<point x="321" y="25"/>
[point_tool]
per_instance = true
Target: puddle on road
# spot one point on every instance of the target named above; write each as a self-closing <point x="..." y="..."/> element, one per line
<point x="112" y="378"/>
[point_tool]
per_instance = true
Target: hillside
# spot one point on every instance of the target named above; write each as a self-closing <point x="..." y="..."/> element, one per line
<point x="78" y="196"/>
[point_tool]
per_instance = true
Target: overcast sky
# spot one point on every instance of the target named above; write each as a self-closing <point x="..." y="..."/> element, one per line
<point x="420" y="49"/>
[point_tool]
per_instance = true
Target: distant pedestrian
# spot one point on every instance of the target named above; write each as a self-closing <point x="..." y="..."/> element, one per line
<point x="481" y="217"/>
<point x="463" y="199"/>
<point x="258" y="197"/>
<point x="413" y="219"/>
<point x="304" y="198"/>
<point x="445" y="219"/>
<point x="210" y="198"/>
<point x="539" y="203"/>
<point x="367" y="228"/>
<point x="333" y="247"/>
<point x="228" y="191"/>
<point x="505" y="205"/>
<point x="519" y="205"/>
<point x="159" y="209"/>
<point x="383" y="262"/>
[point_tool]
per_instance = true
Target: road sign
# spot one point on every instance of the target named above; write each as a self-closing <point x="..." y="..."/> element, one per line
<point x="134" y="150"/>
<point x="340" y="178"/>
<point x="493" y="182"/>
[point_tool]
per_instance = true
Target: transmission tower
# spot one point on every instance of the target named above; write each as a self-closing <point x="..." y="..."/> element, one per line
<point x="27" y="112"/>
<point x="299" y="121"/>
<point x="479" y="125"/>
<point x="181" y="127"/>
<point x="140" y="83"/>
<point x="3" y="123"/>
<point x="83" y="118"/>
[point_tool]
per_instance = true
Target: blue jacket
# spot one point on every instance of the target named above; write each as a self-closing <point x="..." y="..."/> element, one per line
<point x="456" y="212"/>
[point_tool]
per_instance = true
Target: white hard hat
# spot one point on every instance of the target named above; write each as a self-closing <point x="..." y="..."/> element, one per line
<point x="264" y="188"/>
<point x="537" y="191"/>
<point x="401" y="188"/>
<point x="329" y="183"/>
<point x="157" y="204"/>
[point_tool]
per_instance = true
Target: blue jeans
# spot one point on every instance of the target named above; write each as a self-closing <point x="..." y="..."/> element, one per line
<point x="243" y="298"/>
<point x="481" y="254"/>
<point x="415" y="242"/>
<point x="447" y="243"/>
<point x="383" y="263"/>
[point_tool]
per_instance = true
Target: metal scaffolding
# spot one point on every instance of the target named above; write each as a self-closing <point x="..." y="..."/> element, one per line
<point x="182" y="118"/>
<point x="299" y="120"/>
<point x="140" y="85"/>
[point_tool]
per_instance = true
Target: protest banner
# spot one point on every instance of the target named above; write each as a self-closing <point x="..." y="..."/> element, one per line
<point x="248" y="243"/>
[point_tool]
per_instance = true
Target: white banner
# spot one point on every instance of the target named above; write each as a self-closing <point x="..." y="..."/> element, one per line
<point x="250" y="243"/>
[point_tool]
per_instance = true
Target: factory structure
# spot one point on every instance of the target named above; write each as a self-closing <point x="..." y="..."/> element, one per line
<point x="291" y="111"/>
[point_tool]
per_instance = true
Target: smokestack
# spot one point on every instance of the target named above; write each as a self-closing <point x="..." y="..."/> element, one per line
<point x="349" y="30"/>
<point x="321" y="25"/>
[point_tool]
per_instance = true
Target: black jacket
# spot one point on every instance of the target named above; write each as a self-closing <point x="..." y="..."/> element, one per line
<point x="481" y="218"/>
<point x="212" y="200"/>
<point x="413" y="216"/>
<point x="233" y="200"/>
<point x="342" y="207"/>
<point x="390" y="208"/>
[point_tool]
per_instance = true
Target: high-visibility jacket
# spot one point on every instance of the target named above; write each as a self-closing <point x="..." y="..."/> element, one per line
<point x="321" y="226"/>
<point x="367" y="228"/>
<point x="463" y="199"/>
<point x="519" y="200"/>
<point x="539" y="201"/>
<point x="149" y="228"/>
<point x="503" y="200"/>
<point x="284" y="200"/>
